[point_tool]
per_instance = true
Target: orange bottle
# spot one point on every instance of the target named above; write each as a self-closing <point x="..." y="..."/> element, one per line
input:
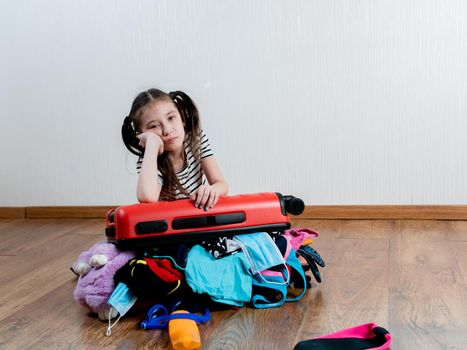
<point x="184" y="333"/>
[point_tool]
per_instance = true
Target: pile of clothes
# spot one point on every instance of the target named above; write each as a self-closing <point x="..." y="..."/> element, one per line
<point x="260" y="269"/>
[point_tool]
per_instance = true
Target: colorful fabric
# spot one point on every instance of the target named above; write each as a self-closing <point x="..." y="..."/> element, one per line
<point x="164" y="270"/>
<point x="226" y="280"/>
<point x="150" y="277"/>
<point x="365" y="336"/>
<point x="221" y="247"/>
<point x="297" y="236"/>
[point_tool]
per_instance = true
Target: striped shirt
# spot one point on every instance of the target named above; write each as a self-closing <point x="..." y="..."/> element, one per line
<point x="191" y="176"/>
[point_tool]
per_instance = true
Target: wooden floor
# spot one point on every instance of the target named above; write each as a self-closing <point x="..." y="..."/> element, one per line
<point x="407" y="276"/>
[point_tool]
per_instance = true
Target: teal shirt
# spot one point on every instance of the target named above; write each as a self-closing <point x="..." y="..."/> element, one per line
<point x="226" y="280"/>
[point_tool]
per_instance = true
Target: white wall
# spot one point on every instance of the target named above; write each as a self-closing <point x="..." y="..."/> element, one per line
<point x="338" y="102"/>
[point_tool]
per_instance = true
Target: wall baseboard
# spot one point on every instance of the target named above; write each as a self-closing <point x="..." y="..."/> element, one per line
<point x="312" y="212"/>
<point x="386" y="212"/>
<point x="86" y="212"/>
<point x="12" y="212"/>
<point x="54" y="212"/>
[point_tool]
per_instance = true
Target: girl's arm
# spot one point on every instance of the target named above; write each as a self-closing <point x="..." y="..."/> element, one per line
<point x="148" y="188"/>
<point x="207" y="196"/>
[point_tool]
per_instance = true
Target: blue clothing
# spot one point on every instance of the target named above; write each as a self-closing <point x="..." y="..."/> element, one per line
<point x="270" y="289"/>
<point x="226" y="280"/>
<point x="260" y="250"/>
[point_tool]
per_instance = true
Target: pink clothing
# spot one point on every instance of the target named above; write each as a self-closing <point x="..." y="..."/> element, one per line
<point x="296" y="236"/>
<point x="365" y="336"/>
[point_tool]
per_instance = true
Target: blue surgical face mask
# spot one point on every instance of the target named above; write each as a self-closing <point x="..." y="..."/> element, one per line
<point x="122" y="299"/>
<point x="260" y="250"/>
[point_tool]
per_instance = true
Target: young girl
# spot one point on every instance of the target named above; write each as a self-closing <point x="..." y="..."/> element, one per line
<point x="175" y="157"/>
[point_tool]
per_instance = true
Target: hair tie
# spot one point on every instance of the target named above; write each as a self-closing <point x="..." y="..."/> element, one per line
<point x="175" y="96"/>
<point x="128" y="122"/>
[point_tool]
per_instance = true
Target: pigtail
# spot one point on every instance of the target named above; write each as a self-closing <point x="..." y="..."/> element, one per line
<point x="129" y="138"/>
<point x="191" y="120"/>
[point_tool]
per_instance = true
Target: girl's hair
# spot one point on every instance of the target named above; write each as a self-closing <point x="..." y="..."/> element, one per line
<point x="190" y="118"/>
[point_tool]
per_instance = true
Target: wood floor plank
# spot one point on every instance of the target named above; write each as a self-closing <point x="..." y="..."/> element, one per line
<point x="34" y="233"/>
<point x="367" y="229"/>
<point x="426" y="229"/>
<point x="427" y="290"/>
<point x="457" y="230"/>
<point x="36" y="272"/>
<point x="241" y="329"/>
<point x="57" y="310"/>
<point x="35" y="249"/>
<point x="354" y="288"/>
<point x="74" y="325"/>
<point x="230" y="330"/>
<point x="92" y="226"/>
<point x="24" y="235"/>
<point x="11" y="229"/>
<point x="9" y="222"/>
<point x="460" y="253"/>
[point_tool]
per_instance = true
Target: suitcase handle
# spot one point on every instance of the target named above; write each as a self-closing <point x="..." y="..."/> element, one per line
<point x="209" y="220"/>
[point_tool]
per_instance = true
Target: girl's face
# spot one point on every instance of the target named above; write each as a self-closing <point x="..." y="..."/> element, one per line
<point x="163" y="119"/>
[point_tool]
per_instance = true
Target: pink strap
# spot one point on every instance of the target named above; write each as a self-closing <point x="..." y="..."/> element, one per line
<point x="363" y="331"/>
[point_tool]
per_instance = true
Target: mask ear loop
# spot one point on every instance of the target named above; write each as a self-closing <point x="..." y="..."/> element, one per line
<point x="109" y="328"/>
<point x="286" y="270"/>
<point x="286" y="282"/>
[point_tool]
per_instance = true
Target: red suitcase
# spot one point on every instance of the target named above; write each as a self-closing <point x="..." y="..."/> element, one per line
<point x="180" y="221"/>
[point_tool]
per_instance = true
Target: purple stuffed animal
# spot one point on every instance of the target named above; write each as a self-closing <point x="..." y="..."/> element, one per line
<point x="96" y="268"/>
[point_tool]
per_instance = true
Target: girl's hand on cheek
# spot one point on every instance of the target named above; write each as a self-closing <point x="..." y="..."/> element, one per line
<point x="149" y="138"/>
<point x="205" y="197"/>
